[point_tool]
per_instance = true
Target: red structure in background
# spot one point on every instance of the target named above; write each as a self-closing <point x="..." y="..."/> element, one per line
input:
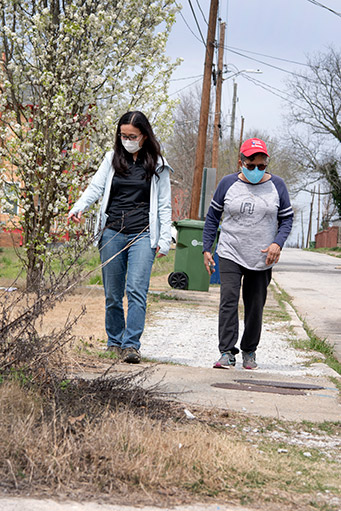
<point x="11" y="237"/>
<point x="329" y="237"/>
<point x="180" y="204"/>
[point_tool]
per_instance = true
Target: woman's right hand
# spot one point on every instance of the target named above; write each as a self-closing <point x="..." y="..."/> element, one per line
<point x="209" y="263"/>
<point x="76" y="217"/>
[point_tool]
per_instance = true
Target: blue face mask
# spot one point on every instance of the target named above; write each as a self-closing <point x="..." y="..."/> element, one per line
<point x="254" y="176"/>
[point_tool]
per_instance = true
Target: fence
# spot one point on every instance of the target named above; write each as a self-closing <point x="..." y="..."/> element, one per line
<point x="329" y="237"/>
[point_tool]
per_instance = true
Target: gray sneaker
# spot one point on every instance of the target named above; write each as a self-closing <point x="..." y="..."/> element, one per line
<point x="249" y="360"/>
<point x="226" y="361"/>
<point x="131" y="356"/>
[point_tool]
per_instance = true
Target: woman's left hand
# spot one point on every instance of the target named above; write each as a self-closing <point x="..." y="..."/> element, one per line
<point x="158" y="253"/>
<point x="273" y="253"/>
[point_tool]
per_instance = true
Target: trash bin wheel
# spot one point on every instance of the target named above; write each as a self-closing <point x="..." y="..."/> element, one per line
<point x="178" y="280"/>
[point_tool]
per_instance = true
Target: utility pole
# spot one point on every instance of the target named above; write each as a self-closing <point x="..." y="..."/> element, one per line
<point x="318" y="209"/>
<point x="240" y="140"/>
<point x="233" y="115"/>
<point x="233" y="121"/>
<point x="217" y="115"/>
<point x="204" y="111"/>
<point x="310" y="218"/>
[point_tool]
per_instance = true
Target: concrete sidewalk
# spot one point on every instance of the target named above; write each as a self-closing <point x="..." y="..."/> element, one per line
<point x="308" y="398"/>
<point x="274" y="390"/>
<point x="26" y="504"/>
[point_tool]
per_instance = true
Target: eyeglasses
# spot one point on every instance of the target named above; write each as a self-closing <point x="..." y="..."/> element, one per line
<point x="252" y="166"/>
<point x="129" y="137"/>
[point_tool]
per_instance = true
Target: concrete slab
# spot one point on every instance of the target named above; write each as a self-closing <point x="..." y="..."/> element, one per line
<point x="18" y="504"/>
<point x="194" y="386"/>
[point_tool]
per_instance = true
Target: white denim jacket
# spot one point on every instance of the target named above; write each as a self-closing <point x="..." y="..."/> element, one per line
<point x="160" y="212"/>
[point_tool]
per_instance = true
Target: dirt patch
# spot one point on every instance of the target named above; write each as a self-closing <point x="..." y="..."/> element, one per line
<point x="91" y="327"/>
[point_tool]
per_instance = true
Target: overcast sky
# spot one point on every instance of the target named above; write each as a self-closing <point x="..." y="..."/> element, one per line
<point x="290" y="30"/>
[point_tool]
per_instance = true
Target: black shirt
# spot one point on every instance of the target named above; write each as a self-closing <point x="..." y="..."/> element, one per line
<point x="128" y="206"/>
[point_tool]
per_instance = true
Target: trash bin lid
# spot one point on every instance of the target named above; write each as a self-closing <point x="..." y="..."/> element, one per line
<point x="189" y="223"/>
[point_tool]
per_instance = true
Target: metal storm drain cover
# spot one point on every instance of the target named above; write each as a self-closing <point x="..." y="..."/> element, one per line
<point x="273" y="387"/>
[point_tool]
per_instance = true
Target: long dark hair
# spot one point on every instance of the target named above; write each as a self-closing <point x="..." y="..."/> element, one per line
<point x="149" y="152"/>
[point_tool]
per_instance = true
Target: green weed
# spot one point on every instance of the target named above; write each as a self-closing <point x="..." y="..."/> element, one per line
<point x="95" y="280"/>
<point x="162" y="296"/>
<point x="108" y="354"/>
<point x="164" y="265"/>
<point x="337" y="382"/>
<point x="156" y="361"/>
<point x="333" y="251"/>
<point x="326" y="427"/>
<point x="64" y="384"/>
<point x="10" y="264"/>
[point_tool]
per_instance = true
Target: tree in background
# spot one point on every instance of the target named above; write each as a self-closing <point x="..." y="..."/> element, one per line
<point x="69" y="69"/>
<point x="315" y="110"/>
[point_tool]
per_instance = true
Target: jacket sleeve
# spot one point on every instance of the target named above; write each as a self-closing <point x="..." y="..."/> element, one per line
<point x="164" y="210"/>
<point x="96" y="187"/>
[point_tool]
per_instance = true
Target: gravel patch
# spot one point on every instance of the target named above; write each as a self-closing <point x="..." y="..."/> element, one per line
<point x="189" y="336"/>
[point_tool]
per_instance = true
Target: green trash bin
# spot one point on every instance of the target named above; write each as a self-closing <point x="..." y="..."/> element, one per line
<point x="189" y="270"/>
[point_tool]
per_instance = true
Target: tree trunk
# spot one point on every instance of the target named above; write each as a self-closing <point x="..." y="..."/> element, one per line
<point x="34" y="270"/>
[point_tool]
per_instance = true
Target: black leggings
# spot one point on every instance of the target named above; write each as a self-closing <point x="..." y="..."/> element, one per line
<point x="255" y="284"/>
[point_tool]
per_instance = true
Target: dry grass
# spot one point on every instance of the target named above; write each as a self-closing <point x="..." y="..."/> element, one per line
<point x="113" y="438"/>
<point x="112" y="451"/>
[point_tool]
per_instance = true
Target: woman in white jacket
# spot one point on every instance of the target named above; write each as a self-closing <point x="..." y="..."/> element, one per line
<point x="133" y="224"/>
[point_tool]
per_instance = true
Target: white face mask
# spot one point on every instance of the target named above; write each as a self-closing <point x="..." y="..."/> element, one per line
<point x="132" y="146"/>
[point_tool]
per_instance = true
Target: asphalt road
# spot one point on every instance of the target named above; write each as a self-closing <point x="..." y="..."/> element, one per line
<point x="313" y="281"/>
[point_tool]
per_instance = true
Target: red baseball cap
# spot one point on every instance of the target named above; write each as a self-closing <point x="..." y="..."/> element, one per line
<point x="253" y="146"/>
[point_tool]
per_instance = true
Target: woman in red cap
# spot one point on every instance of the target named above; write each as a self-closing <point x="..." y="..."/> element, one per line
<point x="257" y="221"/>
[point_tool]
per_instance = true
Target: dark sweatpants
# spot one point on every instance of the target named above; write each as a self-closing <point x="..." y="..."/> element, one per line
<point x="255" y="285"/>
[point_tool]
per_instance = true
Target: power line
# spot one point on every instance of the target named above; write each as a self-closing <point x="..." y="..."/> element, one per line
<point x="271" y="89"/>
<point x="186" y="86"/>
<point x="265" y="63"/>
<point x="196" y="21"/>
<point x="268" y="56"/>
<point x="325" y="7"/>
<point x="187" y="25"/>
<point x="267" y="87"/>
<point x="185" y="78"/>
<point x="202" y="13"/>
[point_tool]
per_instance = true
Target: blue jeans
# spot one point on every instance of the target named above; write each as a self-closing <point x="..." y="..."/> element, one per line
<point x="129" y="270"/>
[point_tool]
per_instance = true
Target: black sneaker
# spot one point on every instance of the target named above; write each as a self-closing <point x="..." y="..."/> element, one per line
<point x="131" y="356"/>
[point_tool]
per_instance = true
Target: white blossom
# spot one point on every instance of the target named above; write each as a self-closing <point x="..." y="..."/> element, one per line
<point x="68" y="82"/>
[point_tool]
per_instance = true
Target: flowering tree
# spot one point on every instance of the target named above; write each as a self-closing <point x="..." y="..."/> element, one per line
<point x="69" y="69"/>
